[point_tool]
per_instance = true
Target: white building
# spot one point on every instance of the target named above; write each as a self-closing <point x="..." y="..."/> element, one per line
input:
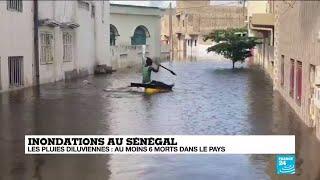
<point x="16" y="44"/>
<point x="131" y="27"/>
<point x="73" y="38"/>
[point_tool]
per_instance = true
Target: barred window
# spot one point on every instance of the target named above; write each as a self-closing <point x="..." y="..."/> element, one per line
<point x="67" y="46"/>
<point x="15" y="5"/>
<point x="83" y="5"/>
<point x="46" y="51"/>
<point x="15" y="67"/>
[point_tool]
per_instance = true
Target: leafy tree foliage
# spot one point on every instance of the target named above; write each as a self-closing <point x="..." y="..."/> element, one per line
<point x="233" y="44"/>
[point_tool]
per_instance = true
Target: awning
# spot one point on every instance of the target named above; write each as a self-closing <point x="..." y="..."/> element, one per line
<point x="71" y="25"/>
<point x="49" y="22"/>
<point x="263" y="19"/>
<point x="55" y="23"/>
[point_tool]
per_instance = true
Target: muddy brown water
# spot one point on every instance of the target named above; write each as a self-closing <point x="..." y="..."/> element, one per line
<point x="208" y="99"/>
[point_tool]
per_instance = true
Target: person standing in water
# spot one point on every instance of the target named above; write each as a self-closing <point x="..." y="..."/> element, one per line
<point x="147" y="69"/>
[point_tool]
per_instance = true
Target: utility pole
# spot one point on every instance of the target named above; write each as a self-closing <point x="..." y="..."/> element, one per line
<point x="243" y="8"/>
<point x="36" y="42"/>
<point x="170" y="32"/>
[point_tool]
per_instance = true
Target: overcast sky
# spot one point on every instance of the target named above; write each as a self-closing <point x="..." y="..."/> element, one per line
<point x="164" y="4"/>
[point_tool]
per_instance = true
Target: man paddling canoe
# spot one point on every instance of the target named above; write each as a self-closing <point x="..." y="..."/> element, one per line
<point x="147" y="69"/>
<point x="146" y="74"/>
<point x="150" y="85"/>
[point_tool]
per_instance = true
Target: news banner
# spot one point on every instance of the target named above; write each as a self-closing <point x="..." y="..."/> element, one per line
<point x="159" y="144"/>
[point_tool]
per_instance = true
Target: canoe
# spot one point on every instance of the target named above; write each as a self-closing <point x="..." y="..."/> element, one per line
<point x="151" y="88"/>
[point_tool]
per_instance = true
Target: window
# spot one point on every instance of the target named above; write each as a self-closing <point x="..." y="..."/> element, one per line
<point x="15" y="5"/>
<point x="299" y="82"/>
<point x="282" y="70"/>
<point x="83" y="5"/>
<point x="291" y="91"/>
<point x="182" y="23"/>
<point x="15" y="65"/>
<point x="93" y="11"/>
<point x="312" y="71"/>
<point x="112" y="40"/>
<point x="113" y="35"/>
<point x="178" y="19"/>
<point x="46" y="47"/>
<point x="195" y="42"/>
<point x="140" y="36"/>
<point x="188" y="42"/>
<point x="67" y="46"/>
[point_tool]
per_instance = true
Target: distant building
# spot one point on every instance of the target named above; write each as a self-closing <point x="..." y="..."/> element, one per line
<point x="130" y="28"/>
<point x="193" y="19"/>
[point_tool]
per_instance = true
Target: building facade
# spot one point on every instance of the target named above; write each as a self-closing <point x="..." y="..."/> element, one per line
<point x="16" y="47"/>
<point x="130" y="28"/>
<point x="193" y="19"/>
<point x="261" y="19"/>
<point x="73" y="38"/>
<point x="291" y="36"/>
<point x="297" y="44"/>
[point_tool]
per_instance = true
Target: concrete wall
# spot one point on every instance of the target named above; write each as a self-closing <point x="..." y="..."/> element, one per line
<point x="190" y="4"/>
<point x="297" y="37"/>
<point x="125" y="56"/>
<point x="91" y="38"/>
<point x="16" y="39"/>
<point x="126" y="19"/>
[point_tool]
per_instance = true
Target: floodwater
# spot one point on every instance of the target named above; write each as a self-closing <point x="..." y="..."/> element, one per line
<point x="208" y="99"/>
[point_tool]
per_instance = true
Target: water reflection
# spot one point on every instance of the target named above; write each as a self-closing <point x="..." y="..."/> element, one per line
<point x="53" y="109"/>
<point x="208" y="98"/>
<point x="307" y="146"/>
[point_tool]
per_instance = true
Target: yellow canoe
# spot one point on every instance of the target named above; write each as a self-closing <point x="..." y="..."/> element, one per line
<point x="152" y="89"/>
<point x="155" y="90"/>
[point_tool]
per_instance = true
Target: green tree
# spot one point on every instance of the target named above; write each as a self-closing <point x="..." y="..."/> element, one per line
<point x="233" y="44"/>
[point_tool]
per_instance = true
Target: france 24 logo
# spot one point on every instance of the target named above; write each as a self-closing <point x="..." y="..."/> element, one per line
<point x="286" y="164"/>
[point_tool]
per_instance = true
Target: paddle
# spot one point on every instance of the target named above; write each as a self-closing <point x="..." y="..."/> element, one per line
<point x="167" y="69"/>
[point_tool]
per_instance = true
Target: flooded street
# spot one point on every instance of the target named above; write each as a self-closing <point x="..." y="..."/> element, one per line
<point x="209" y="98"/>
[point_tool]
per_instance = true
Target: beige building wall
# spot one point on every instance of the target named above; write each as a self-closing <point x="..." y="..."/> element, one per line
<point x="193" y="19"/>
<point x="255" y="7"/>
<point x="187" y="4"/>
<point x="297" y="37"/>
<point x="261" y="25"/>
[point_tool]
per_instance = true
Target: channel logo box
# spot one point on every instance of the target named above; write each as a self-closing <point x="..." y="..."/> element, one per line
<point x="286" y="164"/>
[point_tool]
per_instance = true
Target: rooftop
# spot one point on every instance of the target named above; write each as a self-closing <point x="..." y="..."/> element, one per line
<point x="135" y="10"/>
<point x="126" y="5"/>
